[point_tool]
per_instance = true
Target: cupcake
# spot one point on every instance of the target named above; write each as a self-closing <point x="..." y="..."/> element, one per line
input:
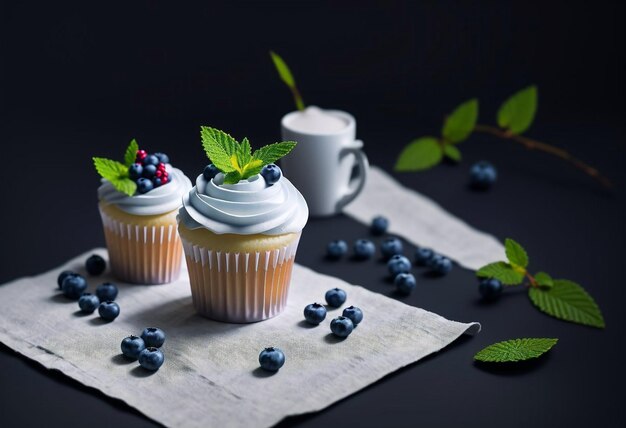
<point x="139" y="201"/>
<point x="240" y="226"/>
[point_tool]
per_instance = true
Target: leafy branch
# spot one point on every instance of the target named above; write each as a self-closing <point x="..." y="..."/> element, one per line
<point x="285" y="75"/>
<point x="560" y="298"/>
<point x="514" y="117"/>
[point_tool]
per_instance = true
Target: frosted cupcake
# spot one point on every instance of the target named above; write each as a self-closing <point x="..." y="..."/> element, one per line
<point x="139" y="200"/>
<point x="240" y="226"/>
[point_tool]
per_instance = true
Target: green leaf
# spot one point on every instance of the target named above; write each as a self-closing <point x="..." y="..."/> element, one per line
<point x="460" y="124"/>
<point x="219" y="147"/>
<point x="544" y="280"/>
<point x="515" y="253"/>
<point x="116" y="173"/>
<point x="420" y="154"/>
<point x="252" y="168"/>
<point x="283" y="70"/>
<point x="232" y="177"/>
<point x="515" y="350"/>
<point x="131" y="152"/>
<point x="246" y="152"/>
<point x="517" y="113"/>
<point x="452" y="152"/>
<point x="503" y="272"/>
<point x="272" y="152"/>
<point x="124" y="185"/>
<point x="110" y="169"/>
<point x="568" y="301"/>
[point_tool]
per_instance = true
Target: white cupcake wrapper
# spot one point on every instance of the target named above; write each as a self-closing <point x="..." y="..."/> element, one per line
<point x="142" y="254"/>
<point x="240" y="287"/>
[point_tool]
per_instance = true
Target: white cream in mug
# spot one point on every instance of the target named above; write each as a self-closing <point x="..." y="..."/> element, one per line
<point x="314" y="120"/>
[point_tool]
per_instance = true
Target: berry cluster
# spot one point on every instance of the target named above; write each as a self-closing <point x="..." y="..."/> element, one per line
<point x="145" y="349"/>
<point x="271" y="173"/>
<point x="391" y="250"/>
<point x="149" y="171"/>
<point x="74" y="286"/>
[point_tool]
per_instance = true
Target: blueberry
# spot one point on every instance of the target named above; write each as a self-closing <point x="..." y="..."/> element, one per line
<point x="108" y="310"/>
<point x="335" y="297"/>
<point x="151" y="359"/>
<point x="364" y="249"/>
<point x="482" y="175"/>
<point x="336" y="249"/>
<point x="132" y="346"/>
<point x="379" y="225"/>
<point x="157" y="182"/>
<point x="490" y="288"/>
<point x="398" y="264"/>
<point x="423" y="256"/>
<point x="404" y="282"/>
<point x="154" y="337"/>
<point x="106" y="292"/>
<point x="95" y="265"/>
<point x="390" y="247"/>
<point x="440" y="265"/>
<point x="73" y="286"/>
<point x="341" y="326"/>
<point x="271" y="173"/>
<point x="271" y="359"/>
<point x="210" y="171"/>
<point x="314" y="313"/>
<point x="135" y="171"/>
<point x="151" y="160"/>
<point x="64" y="275"/>
<point x="88" y="303"/>
<point x="162" y="157"/>
<point x="144" y="185"/>
<point x="355" y="314"/>
<point x="149" y="171"/>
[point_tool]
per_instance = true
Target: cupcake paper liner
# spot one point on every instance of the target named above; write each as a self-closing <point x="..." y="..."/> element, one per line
<point x="142" y="254"/>
<point x="240" y="287"/>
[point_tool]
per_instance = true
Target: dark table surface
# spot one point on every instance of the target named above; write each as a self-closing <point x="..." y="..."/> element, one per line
<point x="79" y="82"/>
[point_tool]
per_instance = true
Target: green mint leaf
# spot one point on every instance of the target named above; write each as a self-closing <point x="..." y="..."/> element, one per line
<point x="124" y="185"/>
<point x="515" y="253"/>
<point x="567" y="301"/>
<point x="420" y="154"/>
<point x="515" y="350"/>
<point x="110" y="169"/>
<point x="252" y="168"/>
<point x="285" y="75"/>
<point x="246" y="151"/>
<point x="452" y="152"/>
<point x="232" y="177"/>
<point x="272" y="152"/>
<point x="460" y="124"/>
<point x="544" y="280"/>
<point x="517" y="113"/>
<point x="219" y="147"/>
<point x="131" y="153"/>
<point x="503" y="272"/>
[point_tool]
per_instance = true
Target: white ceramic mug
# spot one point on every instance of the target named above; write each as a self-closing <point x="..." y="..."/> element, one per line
<point x="321" y="165"/>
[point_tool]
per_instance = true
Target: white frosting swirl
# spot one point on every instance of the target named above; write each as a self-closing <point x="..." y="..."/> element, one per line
<point x="246" y="208"/>
<point x="161" y="200"/>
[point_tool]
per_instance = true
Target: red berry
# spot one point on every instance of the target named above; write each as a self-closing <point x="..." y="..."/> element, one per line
<point x="161" y="166"/>
<point x="158" y="173"/>
<point x="165" y="180"/>
<point x="141" y="155"/>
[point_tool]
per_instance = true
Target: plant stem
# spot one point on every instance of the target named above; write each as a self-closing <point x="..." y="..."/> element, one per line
<point x="533" y="282"/>
<point x="531" y="144"/>
<point x="297" y="97"/>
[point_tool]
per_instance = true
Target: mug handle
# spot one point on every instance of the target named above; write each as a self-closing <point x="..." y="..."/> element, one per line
<point x="354" y="148"/>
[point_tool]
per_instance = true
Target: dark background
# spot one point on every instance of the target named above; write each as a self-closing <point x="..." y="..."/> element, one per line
<point x="78" y="80"/>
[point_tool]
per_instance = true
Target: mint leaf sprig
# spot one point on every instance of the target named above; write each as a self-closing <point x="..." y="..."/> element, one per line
<point x="236" y="159"/>
<point x="285" y="75"/>
<point x="116" y="172"/>
<point x="515" y="350"/>
<point x="514" y="117"/>
<point x="560" y="298"/>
